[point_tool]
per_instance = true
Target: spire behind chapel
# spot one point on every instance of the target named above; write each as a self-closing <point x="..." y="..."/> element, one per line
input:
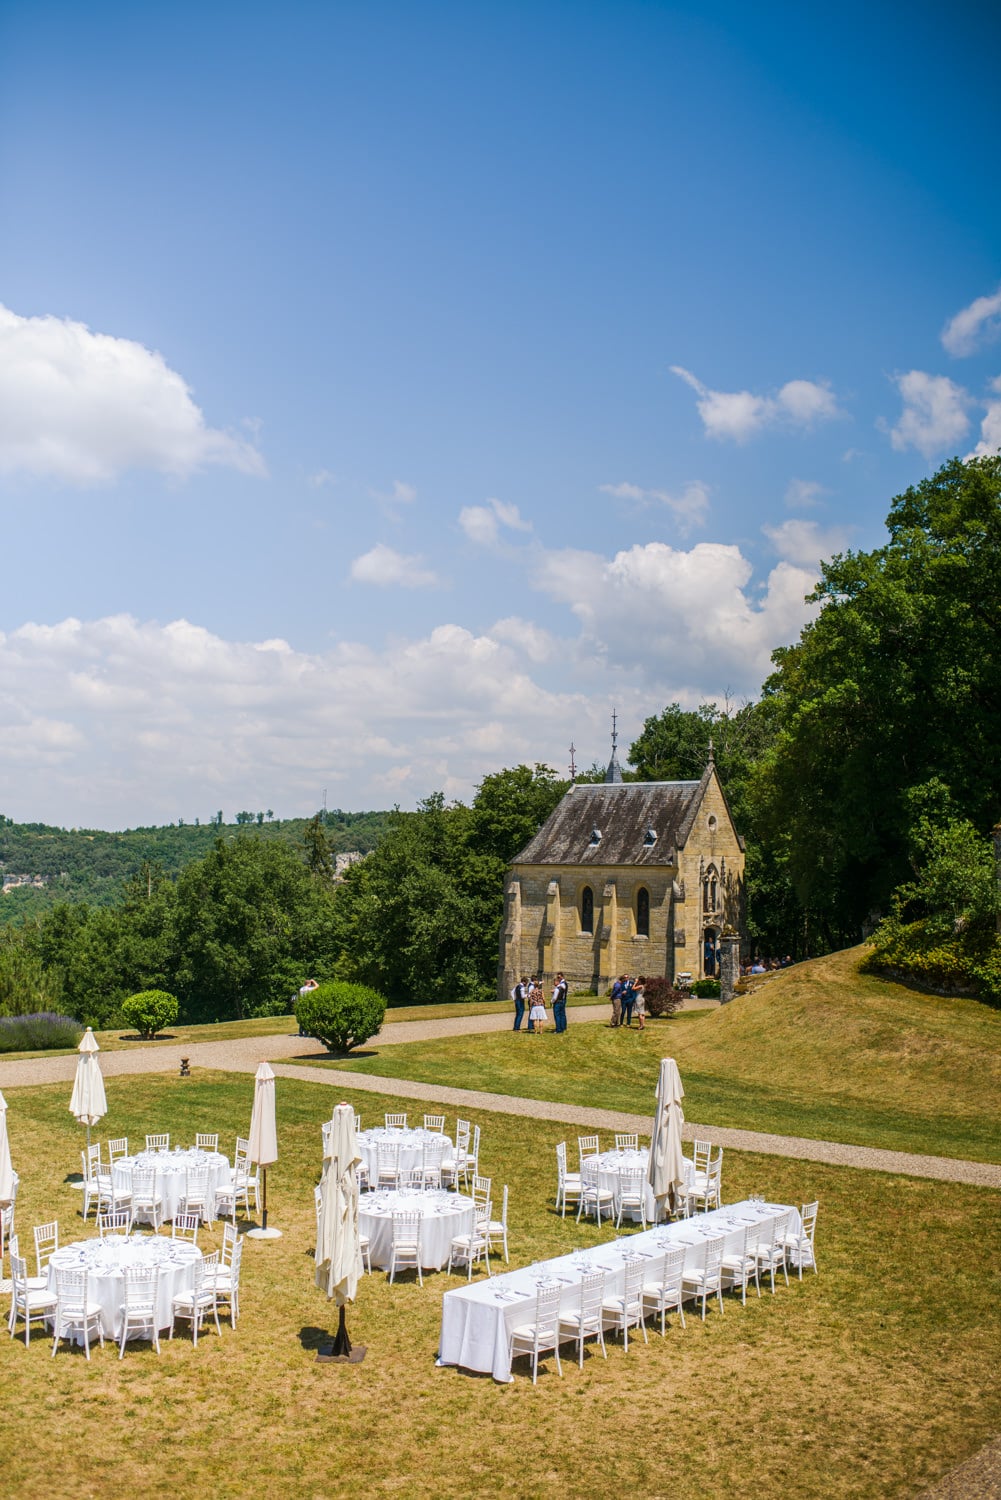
<point x="614" y="772"/>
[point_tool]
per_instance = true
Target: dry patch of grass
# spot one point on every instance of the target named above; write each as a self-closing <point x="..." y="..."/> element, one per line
<point x="819" y="1051"/>
<point x="872" y="1378"/>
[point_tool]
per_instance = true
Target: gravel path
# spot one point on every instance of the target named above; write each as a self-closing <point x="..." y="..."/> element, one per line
<point x="979" y="1478"/>
<point x="243" y="1054"/>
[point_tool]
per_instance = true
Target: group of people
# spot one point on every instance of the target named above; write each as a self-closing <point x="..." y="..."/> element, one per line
<point x="528" y="995"/>
<point x="628" y="1000"/>
<point x="766" y="965"/>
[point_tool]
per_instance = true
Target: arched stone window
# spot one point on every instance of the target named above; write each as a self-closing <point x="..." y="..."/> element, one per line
<point x="710" y="889"/>
<point x="587" y="909"/>
<point x="643" y="912"/>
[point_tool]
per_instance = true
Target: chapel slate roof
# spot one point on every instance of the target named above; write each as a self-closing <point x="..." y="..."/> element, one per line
<point x="622" y="812"/>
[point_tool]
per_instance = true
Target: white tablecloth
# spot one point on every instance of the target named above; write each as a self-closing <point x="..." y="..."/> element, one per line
<point x="412" y="1145"/>
<point x="476" y="1319"/>
<point x="611" y="1164"/>
<point x="170" y="1168"/>
<point x="104" y="1259"/>
<point x="443" y="1216"/>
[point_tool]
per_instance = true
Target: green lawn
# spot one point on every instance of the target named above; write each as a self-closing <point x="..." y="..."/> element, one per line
<point x="871" y="1379"/>
<point x="819" y="1051"/>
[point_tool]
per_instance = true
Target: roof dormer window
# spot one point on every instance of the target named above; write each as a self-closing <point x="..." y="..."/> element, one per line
<point x="595" y="837"/>
<point x="649" y="838"/>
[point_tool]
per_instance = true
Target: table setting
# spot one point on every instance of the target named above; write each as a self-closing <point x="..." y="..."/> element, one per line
<point x="412" y="1145"/>
<point x="443" y="1217"/>
<point x="476" y="1319"/>
<point x="105" y="1260"/>
<point x="171" y="1169"/>
<point x="609" y="1167"/>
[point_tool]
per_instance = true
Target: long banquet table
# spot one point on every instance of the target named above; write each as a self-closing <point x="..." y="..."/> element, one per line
<point x="105" y="1261"/>
<point x="171" y="1169"/>
<point x="476" y="1320"/>
<point x="443" y="1216"/>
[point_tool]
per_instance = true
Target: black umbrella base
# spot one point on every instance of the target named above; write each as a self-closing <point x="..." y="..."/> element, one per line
<point x="340" y="1350"/>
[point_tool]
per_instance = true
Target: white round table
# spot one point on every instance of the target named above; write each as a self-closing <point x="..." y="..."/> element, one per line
<point x="443" y="1216"/>
<point x="610" y="1166"/>
<point x="171" y="1169"/>
<point x="105" y="1259"/>
<point x="411" y="1147"/>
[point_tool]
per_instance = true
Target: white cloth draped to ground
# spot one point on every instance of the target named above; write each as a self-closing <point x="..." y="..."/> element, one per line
<point x="443" y="1217"/>
<point x="105" y="1259"/>
<point x="476" y="1319"/>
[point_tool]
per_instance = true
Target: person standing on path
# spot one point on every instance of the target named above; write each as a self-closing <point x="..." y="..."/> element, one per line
<point x="617" y="1000"/>
<point x="518" y="996"/>
<point x="560" y="1003"/>
<point x="537" y="1017"/>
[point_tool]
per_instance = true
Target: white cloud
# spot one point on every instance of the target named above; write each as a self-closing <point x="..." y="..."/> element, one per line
<point x="537" y="644"/>
<point x="803" y="494"/>
<point x="321" y="478"/>
<point x="690" y="508"/>
<point x="679" y="618"/>
<point x="973" y="325"/>
<point x="990" y="427"/>
<point x="385" y="566"/>
<point x="805" y="542"/>
<point x="934" y="417"/>
<point x="117" y="721"/>
<point x="401" y="494"/>
<point x="738" y="415"/>
<point x="482" y="523"/>
<point x="83" y="407"/>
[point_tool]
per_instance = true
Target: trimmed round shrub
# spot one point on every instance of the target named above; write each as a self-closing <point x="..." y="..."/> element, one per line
<point x="662" y="999"/>
<point x="149" y="1012"/>
<point x="40" y="1032"/>
<point x="340" y="1015"/>
<point x="706" y="989"/>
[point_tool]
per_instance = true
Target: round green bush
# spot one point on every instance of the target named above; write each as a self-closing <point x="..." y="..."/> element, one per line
<point x="340" y="1015"/>
<point x="706" y="989"/>
<point x="149" y="1012"/>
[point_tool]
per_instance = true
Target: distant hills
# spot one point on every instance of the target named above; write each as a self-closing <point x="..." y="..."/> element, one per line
<point x="41" y="865"/>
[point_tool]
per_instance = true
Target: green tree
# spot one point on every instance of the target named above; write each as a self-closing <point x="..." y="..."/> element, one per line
<point x="250" y="922"/>
<point x="894" y="685"/>
<point x="317" y="848"/>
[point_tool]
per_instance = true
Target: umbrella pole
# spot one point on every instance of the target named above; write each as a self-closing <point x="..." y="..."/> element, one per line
<point x="342" y="1344"/>
<point x="264" y="1216"/>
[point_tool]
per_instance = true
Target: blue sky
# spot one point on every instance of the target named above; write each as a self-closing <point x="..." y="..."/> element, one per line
<point x="388" y="391"/>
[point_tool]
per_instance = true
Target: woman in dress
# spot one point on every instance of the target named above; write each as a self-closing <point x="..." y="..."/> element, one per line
<point x="639" y="1002"/>
<point x="537" y="1015"/>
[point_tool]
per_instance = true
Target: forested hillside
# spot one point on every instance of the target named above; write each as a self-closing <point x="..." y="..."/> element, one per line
<point x="89" y="864"/>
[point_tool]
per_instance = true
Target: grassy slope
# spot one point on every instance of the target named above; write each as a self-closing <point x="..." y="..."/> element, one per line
<point x="818" y="1051"/>
<point x="826" y="1390"/>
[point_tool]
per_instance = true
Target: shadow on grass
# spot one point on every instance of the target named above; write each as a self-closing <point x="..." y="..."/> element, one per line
<point x="312" y="1338"/>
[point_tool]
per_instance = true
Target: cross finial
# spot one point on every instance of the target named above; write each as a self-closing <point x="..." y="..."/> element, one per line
<point x="615" y="731"/>
<point x="712" y="754"/>
<point x="573" y="763"/>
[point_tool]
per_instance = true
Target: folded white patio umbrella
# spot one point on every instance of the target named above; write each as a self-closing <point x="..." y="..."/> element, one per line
<point x="6" y="1165"/>
<point x="666" y="1168"/>
<point x="8" y="1181"/>
<point x="338" y="1248"/>
<point x="263" y="1138"/>
<point x="88" y="1103"/>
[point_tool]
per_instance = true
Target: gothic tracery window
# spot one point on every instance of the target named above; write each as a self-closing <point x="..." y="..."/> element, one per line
<point x="587" y="909"/>
<point x="643" y="912"/>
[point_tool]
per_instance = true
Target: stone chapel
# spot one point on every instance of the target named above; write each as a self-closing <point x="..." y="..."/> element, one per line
<point x="625" y="877"/>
